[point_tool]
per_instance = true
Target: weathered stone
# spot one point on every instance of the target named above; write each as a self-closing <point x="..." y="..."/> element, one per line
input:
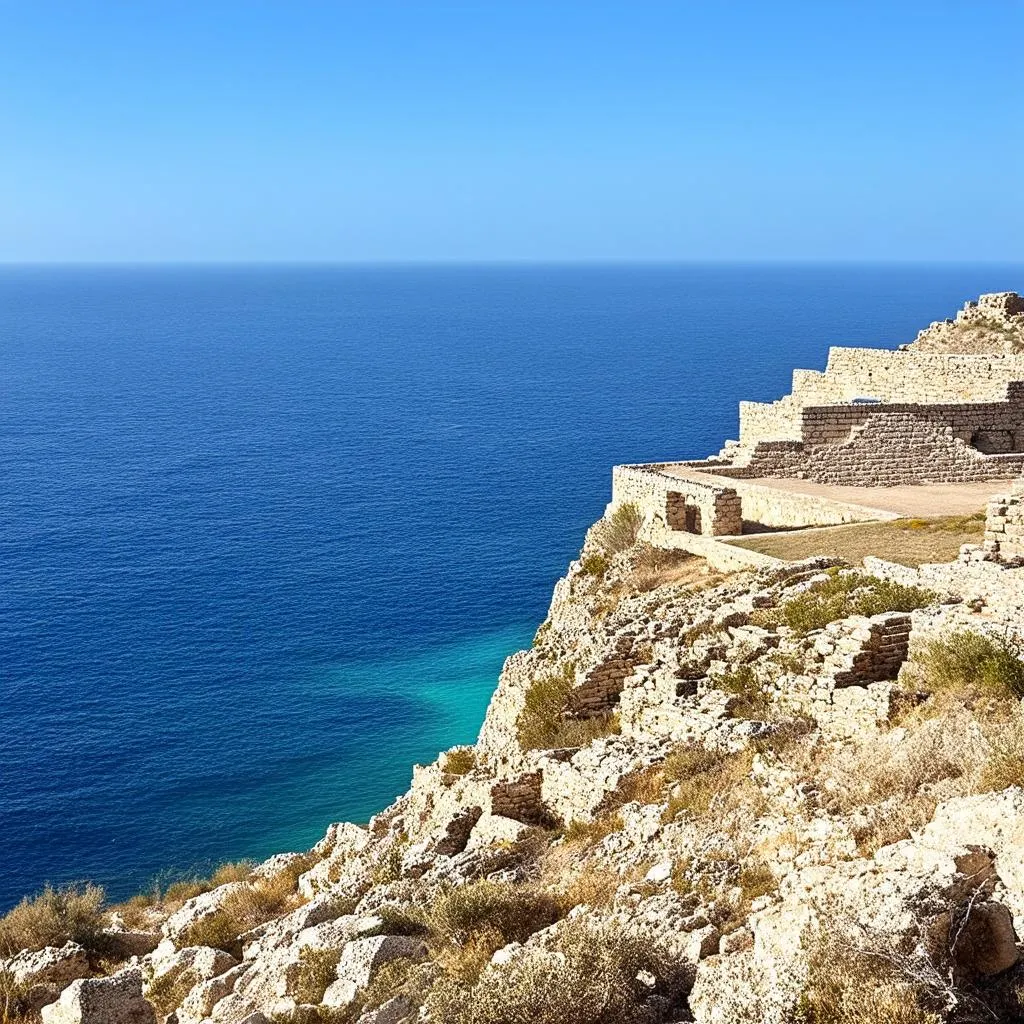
<point x="114" y="1000"/>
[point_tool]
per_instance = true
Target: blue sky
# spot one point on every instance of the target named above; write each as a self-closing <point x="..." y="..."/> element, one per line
<point x="747" y="130"/>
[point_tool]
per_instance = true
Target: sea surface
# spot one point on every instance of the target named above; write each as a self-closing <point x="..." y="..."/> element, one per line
<point x="268" y="533"/>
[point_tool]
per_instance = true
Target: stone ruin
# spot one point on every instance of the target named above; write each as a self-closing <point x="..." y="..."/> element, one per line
<point x="948" y="408"/>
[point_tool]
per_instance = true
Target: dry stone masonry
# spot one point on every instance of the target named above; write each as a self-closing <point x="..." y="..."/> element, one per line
<point x="929" y="412"/>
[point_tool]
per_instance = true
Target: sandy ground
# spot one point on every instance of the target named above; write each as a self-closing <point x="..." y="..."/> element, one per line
<point x="916" y="500"/>
<point x="912" y="500"/>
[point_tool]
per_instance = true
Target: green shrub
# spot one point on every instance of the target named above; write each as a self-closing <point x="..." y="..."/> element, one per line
<point x="619" y="531"/>
<point x="546" y="721"/>
<point x="71" y="913"/>
<point x="749" y="700"/>
<point x="846" y="594"/>
<point x="594" y="565"/>
<point x="460" y="761"/>
<point x="514" y="911"/>
<point x="969" y="661"/>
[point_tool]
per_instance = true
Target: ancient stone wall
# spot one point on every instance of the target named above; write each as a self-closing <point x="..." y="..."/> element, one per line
<point x="895" y="443"/>
<point x="1004" y="528"/>
<point x="519" y="799"/>
<point x="599" y="692"/>
<point x="902" y="376"/>
<point x="684" y="505"/>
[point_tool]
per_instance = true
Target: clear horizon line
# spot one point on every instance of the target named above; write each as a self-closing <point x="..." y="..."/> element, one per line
<point x="510" y="262"/>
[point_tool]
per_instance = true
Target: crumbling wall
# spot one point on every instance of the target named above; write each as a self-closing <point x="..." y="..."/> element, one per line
<point x="903" y="376"/>
<point x="1004" y="528"/>
<point x="681" y="504"/>
<point x="890" y="444"/>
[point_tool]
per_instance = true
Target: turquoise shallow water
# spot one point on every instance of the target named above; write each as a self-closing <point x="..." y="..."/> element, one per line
<point x="267" y="534"/>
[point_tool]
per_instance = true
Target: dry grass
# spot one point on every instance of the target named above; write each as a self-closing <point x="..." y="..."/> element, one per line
<point x="910" y="542"/>
<point x="253" y="904"/>
<point x="316" y="971"/>
<point x="584" y="835"/>
<point x="593" y="981"/>
<point x="849" y="985"/>
<point x="168" y="991"/>
<point x="619" y="531"/>
<point x="69" y="914"/>
<point x="657" y="567"/>
<point x="1004" y="766"/>
<point x="546" y="723"/>
<point x="704" y="779"/>
<point x="137" y="911"/>
<point x="14" y="1004"/>
<point x="875" y="770"/>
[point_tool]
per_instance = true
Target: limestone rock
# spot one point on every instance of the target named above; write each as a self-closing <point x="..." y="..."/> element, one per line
<point x="114" y="1000"/>
<point x="361" y="958"/>
<point x="52" y="965"/>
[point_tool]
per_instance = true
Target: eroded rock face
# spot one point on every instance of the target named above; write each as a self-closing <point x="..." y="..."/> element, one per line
<point x="360" y="960"/>
<point x="744" y="790"/>
<point x="114" y="1000"/>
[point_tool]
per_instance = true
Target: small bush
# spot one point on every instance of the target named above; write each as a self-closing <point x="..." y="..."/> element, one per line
<point x="586" y="834"/>
<point x="316" y="971"/>
<point x="749" y="700"/>
<point x="703" y="778"/>
<point x="545" y="722"/>
<point x="14" y="1002"/>
<point x="514" y="911"/>
<point x="253" y="904"/>
<point x="389" y="869"/>
<point x="846" y="594"/>
<point x="591" y="979"/>
<point x="460" y="761"/>
<point x="849" y="985"/>
<point x="968" y="661"/>
<point x="594" y="565"/>
<point x="619" y="531"/>
<point x="69" y="914"/>
<point x="168" y="991"/>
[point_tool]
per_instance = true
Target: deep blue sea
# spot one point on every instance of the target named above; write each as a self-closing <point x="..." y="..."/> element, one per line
<point x="267" y="534"/>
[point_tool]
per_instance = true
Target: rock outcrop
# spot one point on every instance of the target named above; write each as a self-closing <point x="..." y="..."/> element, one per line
<point x="772" y="795"/>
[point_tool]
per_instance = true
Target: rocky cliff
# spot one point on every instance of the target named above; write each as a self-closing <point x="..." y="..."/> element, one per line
<point x="993" y="324"/>
<point x="767" y="796"/>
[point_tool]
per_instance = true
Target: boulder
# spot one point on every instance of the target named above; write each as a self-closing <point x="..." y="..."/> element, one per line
<point x="123" y="943"/>
<point x="984" y="941"/>
<point x="114" y="1000"/>
<point x="49" y="966"/>
<point x="204" y="963"/>
<point x="359" y="961"/>
<point x="394" y="1011"/>
<point x="198" y="909"/>
<point x="199" y="1003"/>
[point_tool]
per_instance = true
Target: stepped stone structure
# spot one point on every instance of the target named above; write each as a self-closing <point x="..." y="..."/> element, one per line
<point x="946" y="409"/>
